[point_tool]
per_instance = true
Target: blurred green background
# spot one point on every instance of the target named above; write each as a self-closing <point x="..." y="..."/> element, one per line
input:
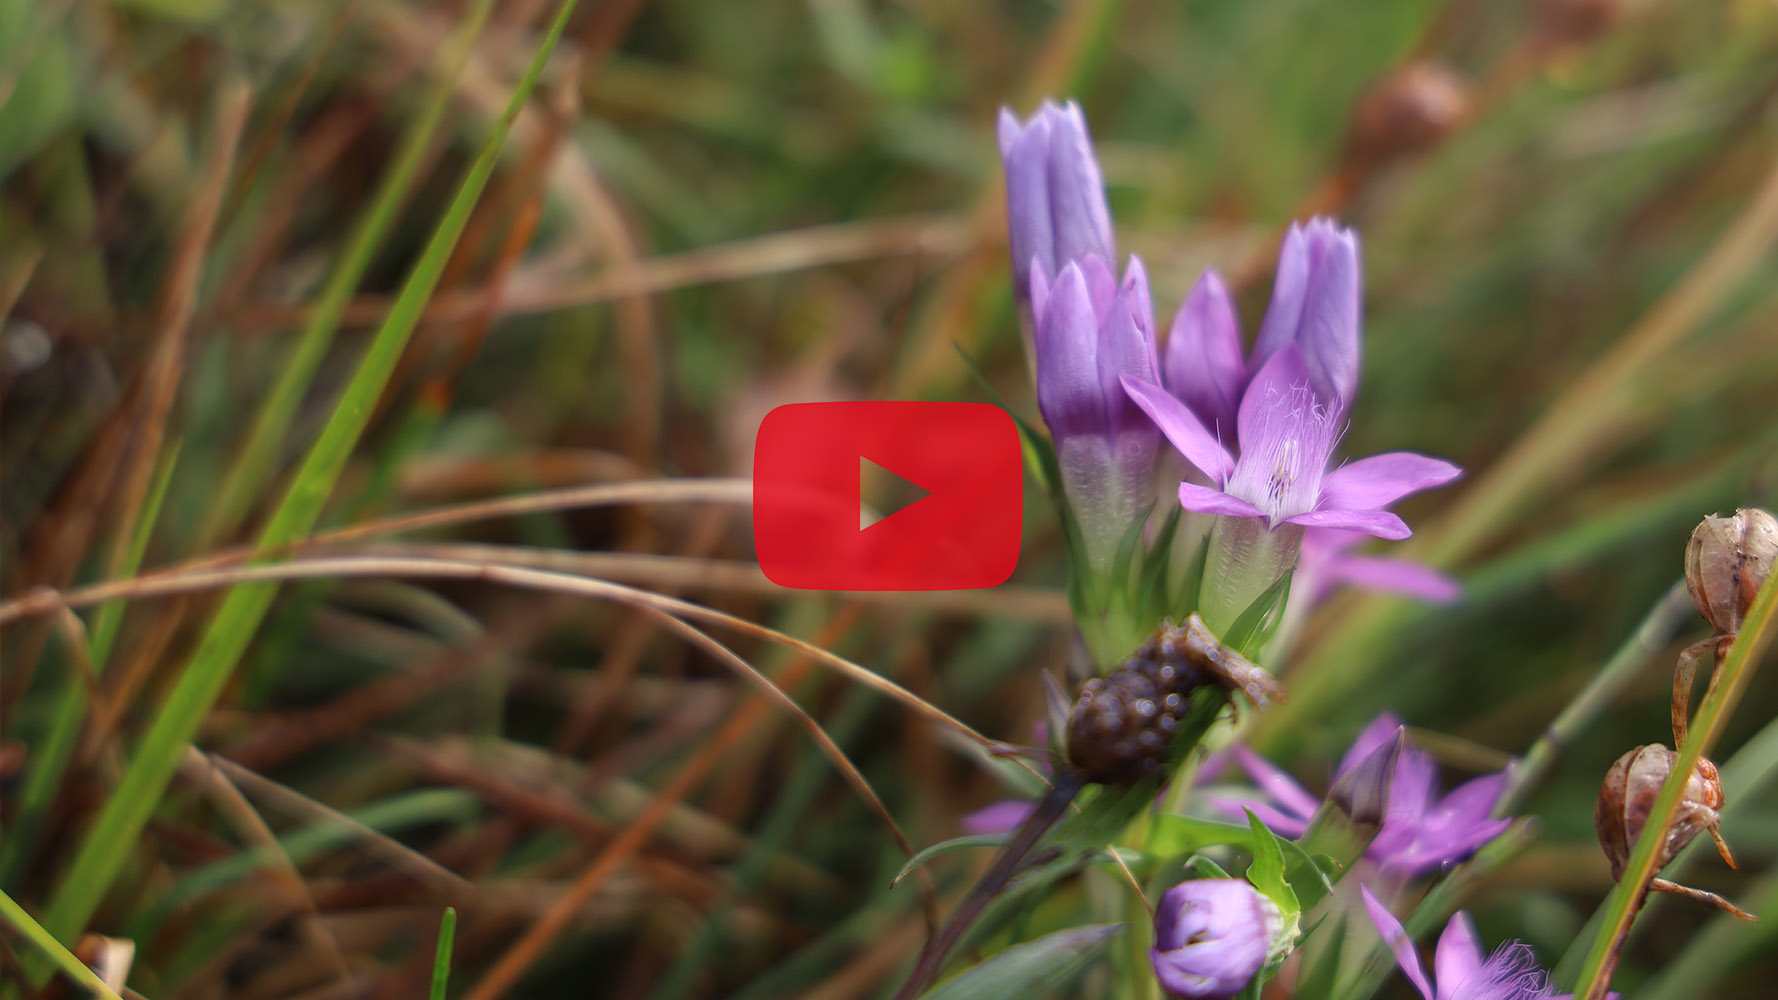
<point x="1568" y="211"/>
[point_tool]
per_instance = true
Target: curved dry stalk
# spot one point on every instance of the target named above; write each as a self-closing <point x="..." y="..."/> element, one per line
<point x="830" y="749"/>
<point x="1042" y="604"/>
<point x="44" y="601"/>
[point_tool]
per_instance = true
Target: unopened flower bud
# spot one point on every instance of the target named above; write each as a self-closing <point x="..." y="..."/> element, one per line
<point x="1362" y="793"/>
<point x="1407" y="112"/>
<point x="1211" y="936"/>
<point x="1726" y="562"/>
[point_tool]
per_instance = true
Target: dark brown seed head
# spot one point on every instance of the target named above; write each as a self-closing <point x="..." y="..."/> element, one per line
<point x="1123" y="724"/>
<point x="1407" y="112"/>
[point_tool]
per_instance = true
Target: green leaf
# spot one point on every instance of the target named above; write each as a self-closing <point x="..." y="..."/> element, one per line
<point x="1174" y="835"/>
<point x="1267" y="870"/>
<point x="946" y="847"/>
<point x="1191" y="586"/>
<point x="1029" y="969"/>
<point x="1203" y="867"/>
<point x="1151" y="599"/>
<point x="1253" y="628"/>
<point x="1126" y="548"/>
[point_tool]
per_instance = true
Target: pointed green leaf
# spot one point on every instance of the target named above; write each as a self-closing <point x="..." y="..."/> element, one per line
<point x="1029" y="969"/>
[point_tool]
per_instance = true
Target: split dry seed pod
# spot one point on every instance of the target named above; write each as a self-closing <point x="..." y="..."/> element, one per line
<point x="1726" y="561"/>
<point x="1627" y="797"/>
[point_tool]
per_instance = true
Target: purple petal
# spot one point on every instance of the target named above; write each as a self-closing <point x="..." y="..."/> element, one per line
<point x="1378" y="481"/>
<point x="1328" y="331"/>
<point x="1397" y="939"/>
<point x="1474" y="799"/>
<point x="1066" y="343"/>
<point x="1459" y="954"/>
<point x="1204" y="500"/>
<point x="1274" y="380"/>
<point x="1380" y="731"/>
<point x="1077" y="192"/>
<point x="1380" y="523"/>
<point x="1203" y="364"/>
<point x="1126" y="350"/>
<point x="998" y="817"/>
<point x="1394" y="575"/>
<point x="1284" y="312"/>
<point x="1285" y="437"/>
<point x="1030" y="230"/>
<point x="1101" y="283"/>
<point x="1281" y="823"/>
<point x="1181" y="428"/>
<point x="1411" y="793"/>
<point x="1276" y="783"/>
<point x="1039" y="287"/>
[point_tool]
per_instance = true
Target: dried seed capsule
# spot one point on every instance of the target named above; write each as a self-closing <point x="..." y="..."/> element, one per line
<point x="1122" y="726"/>
<point x="1575" y="22"/>
<point x="1726" y="561"/>
<point x="1629" y="792"/>
<point x="1407" y="112"/>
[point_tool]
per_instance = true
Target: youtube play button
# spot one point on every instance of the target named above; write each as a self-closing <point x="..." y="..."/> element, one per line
<point x="887" y="496"/>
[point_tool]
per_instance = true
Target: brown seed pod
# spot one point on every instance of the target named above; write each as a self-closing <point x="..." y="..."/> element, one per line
<point x="1407" y="112"/>
<point x="1726" y="561"/>
<point x="1629" y="792"/>
<point x="1628" y="795"/>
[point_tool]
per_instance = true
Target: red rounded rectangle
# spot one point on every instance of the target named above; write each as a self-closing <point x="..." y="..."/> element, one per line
<point x="963" y="536"/>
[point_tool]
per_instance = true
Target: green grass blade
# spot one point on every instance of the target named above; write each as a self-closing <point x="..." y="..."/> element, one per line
<point x="441" y="961"/>
<point x="64" y="959"/>
<point x="104" y="850"/>
<point x="253" y="464"/>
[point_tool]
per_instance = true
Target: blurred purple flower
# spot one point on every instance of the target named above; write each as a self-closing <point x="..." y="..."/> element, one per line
<point x="1090" y="335"/>
<point x="1511" y="973"/>
<point x="1419" y="830"/>
<point x="1327" y="563"/>
<point x="1286" y="437"/>
<point x="1211" y="936"/>
<point x="1055" y="198"/>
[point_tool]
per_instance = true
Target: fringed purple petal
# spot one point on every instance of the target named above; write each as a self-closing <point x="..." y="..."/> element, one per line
<point x="1286" y="439"/>
<point x="1378" y="481"/>
<point x="1182" y="428"/>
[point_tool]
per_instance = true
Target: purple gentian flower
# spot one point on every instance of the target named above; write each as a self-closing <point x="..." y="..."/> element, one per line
<point x="1326" y="563"/>
<point x="1211" y="936"/>
<point x="1419" y="831"/>
<point x="1055" y="198"/>
<point x="1286" y="436"/>
<point x="1511" y="973"/>
<point x="1090" y="336"/>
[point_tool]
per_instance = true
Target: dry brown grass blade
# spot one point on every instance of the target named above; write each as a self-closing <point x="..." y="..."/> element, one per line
<point x="525" y="952"/>
<point x="829" y="748"/>
<point x="1047" y="605"/>
<point x="178" y="302"/>
<point x="399" y="856"/>
<point x="776" y="253"/>
<point x="733" y="491"/>
<point x="201" y="770"/>
<point x="44" y="601"/>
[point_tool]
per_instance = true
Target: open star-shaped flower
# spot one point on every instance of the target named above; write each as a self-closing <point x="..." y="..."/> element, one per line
<point x="1286" y="436"/>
